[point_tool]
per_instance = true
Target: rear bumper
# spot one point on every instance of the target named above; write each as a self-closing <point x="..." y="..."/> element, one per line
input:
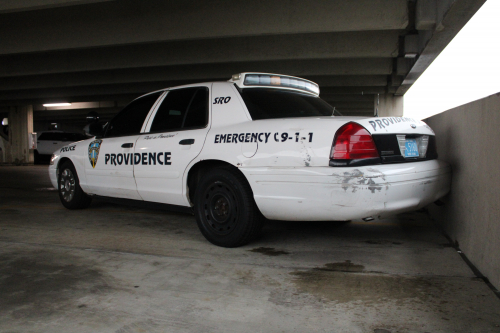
<point x="326" y="193"/>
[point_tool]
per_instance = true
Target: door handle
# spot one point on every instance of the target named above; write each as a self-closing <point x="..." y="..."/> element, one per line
<point x="186" y="142"/>
<point x="127" y="145"/>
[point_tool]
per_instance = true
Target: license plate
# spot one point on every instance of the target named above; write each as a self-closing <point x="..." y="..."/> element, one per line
<point x="411" y="148"/>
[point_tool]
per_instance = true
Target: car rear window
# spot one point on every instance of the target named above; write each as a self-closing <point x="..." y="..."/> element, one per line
<point x="57" y="136"/>
<point x="276" y="103"/>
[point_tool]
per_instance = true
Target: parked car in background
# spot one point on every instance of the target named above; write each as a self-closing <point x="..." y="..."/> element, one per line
<point x="50" y="141"/>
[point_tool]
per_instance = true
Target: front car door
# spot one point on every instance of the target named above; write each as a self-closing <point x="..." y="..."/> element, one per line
<point x="110" y="166"/>
<point x="174" y="136"/>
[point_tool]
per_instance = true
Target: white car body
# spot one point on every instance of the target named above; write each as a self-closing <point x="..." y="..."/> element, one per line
<point x="49" y="145"/>
<point x="289" y="174"/>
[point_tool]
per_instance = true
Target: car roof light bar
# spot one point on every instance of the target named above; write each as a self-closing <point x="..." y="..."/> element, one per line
<point x="246" y="80"/>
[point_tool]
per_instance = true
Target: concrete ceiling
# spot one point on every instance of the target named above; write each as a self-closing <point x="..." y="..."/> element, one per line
<point x="78" y="51"/>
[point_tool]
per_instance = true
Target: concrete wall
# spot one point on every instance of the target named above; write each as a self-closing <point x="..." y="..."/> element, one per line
<point x="389" y="105"/>
<point x="16" y="149"/>
<point x="468" y="137"/>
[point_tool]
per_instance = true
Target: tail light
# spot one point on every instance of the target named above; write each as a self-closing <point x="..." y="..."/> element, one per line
<point x="353" y="142"/>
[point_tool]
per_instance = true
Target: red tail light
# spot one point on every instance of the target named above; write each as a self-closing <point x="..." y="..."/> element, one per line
<point x="353" y="142"/>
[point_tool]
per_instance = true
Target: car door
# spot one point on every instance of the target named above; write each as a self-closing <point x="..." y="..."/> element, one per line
<point x="175" y="136"/>
<point x="48" y="142"/>
<point x="110" y="165"/>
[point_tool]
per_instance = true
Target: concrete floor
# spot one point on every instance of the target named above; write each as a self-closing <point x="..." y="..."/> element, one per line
<point x="121" y="269"/>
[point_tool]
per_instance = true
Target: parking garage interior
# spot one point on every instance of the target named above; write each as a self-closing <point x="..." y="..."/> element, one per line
<point x="115" y="268"/>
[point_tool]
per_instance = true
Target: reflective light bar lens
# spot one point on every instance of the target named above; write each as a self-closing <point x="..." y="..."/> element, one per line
<point x="282" y="81"/>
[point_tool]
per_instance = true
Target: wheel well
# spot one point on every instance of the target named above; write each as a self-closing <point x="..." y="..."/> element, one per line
<point x="63" y="160"/>
<point x="200" y="169"/>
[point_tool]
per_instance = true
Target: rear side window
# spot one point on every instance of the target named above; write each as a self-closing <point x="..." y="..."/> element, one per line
<point x="182" y="109"/>
<point x="276" y="103"/>
<point x="51" y="136"/>
<point x="130" y="120"/>
<point x="44" y="136"/>
<point x="75" y="137"/>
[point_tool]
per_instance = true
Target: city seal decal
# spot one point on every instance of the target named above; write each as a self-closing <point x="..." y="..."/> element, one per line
<point x="94" y="148"/>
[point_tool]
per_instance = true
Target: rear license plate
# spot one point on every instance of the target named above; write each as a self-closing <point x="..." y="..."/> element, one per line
<point x="411" y="148"/>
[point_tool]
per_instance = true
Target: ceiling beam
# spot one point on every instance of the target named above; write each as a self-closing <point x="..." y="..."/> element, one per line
<point x="446" y="28"/>
<point x="167" y="76"/>
<point x="12" y="6"/>
<point x="89" y="82"/>
<point x="146" y="21"/>
<point x="365" y="44"/>
<point x="127" y="92"/>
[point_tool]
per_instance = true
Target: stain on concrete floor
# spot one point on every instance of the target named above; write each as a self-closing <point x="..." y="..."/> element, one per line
<point x="269" y="251"/>
<point x="382" y="242"/>
<point x="34" y="284"/>
<point x="7" y="211"/>
<point x="346" y="266"/>
<point x="341" y="286"/>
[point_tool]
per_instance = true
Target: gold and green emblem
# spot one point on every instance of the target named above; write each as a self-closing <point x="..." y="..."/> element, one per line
<point x="94" y="148"/>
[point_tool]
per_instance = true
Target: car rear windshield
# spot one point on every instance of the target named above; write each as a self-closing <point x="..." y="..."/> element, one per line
<point x="58" y="136"/>
<point x="265" y="103"/>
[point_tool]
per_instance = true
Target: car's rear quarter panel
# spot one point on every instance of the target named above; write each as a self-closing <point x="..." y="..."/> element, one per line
<point x="286" y="163"/>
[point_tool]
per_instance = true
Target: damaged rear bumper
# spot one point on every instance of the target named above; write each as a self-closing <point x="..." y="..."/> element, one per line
<point x="339" y="194"/>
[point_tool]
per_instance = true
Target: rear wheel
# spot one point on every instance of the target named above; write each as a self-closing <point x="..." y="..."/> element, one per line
<point x="226" y="212"/>
<point x="70" y="192"/>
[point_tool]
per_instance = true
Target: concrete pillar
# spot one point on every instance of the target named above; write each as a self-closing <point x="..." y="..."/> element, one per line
<point x="389" y="105"/>
<point x="20" y="124"/>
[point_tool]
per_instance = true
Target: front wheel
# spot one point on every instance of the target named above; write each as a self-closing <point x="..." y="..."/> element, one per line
<point x="70" y="192"/>
<point x="225" y="210"/>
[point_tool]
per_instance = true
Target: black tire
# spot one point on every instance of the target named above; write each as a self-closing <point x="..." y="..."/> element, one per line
<point x="225" y="209"/>
<point x="36" y="157"/>
<point x="70" y="192"/>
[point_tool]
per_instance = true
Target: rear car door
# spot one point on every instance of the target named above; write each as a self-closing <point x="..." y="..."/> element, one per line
<point x="110" y="165"/>
<point x="48" y="142"/>
<point x="175" y="136"/>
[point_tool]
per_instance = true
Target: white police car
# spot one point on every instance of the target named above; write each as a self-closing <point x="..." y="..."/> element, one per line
<point x="259" y="144"/>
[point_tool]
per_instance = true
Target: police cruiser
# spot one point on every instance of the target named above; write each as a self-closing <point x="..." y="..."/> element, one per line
<point x="259" y="145"/>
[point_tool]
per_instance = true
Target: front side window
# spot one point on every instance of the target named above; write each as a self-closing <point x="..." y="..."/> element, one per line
<point x="182" y="109"/>
<point x="268" y="103"/>
<point x="130" y="120"/>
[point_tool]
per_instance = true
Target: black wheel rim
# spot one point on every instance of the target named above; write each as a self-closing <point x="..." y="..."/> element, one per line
<point x="67" y="185"/>
<point x="220" y="208"/>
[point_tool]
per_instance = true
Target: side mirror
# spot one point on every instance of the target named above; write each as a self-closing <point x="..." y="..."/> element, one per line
<point x="95" y="129"/>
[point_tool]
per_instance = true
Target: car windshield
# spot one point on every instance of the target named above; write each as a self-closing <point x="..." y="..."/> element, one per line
<point x="265" y="103"/>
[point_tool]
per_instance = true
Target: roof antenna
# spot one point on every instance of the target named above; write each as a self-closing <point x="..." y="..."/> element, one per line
<point x="378" y="102"/>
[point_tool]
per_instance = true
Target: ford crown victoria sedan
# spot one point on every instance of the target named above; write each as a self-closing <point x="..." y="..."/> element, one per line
<point x="257" y="146"/>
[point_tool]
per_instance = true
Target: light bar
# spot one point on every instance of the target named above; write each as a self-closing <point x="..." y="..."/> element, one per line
<point x="275" y="80"/>
<point x="56" y="104"/>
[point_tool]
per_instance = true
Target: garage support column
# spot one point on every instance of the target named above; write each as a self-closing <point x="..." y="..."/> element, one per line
<point x="389" y="105"/>
<point x="20" y="124"/>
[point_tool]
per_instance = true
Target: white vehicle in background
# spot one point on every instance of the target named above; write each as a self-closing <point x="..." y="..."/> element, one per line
<point x="257" y="145"/>
<point x="50" y="141"/>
